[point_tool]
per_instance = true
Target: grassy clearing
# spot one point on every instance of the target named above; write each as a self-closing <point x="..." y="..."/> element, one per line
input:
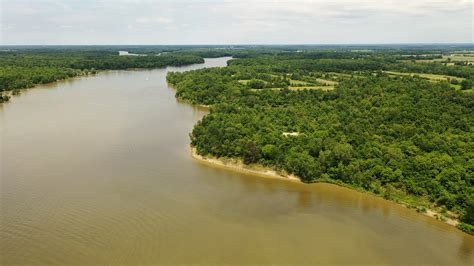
<point x="336" y="75"/>
<point x="244" y="81"/>
<point x="323" y="88"/>
<point x="427" y="60"/>
<point x="298" y="82"/>
<point x="432" y="77"/>
<point x="460" y="57"/>
<point x="453" y="58"/>
<point x="328" y="82"/>
<point x="319" y="81"/>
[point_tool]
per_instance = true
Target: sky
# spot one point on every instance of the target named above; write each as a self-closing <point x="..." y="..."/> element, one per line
<point x="42" y="22"/>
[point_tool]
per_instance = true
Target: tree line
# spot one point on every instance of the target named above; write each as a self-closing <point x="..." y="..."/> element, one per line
<point x="27" y="68"/>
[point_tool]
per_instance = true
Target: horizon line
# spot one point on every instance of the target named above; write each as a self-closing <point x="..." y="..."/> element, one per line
<point x="250" y="44"/>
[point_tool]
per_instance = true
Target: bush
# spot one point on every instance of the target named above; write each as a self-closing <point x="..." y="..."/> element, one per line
<point x="466" y="228"/>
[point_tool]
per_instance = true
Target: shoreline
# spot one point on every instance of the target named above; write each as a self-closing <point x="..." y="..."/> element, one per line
<point x="205" y="107"/>
<point x="84" y="74"/>
<point x="199" y="106"/>
<point x="237" y="165"/>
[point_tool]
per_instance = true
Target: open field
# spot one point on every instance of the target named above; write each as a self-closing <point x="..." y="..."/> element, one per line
<point x="460" y="57"/>
<point x="321" y="84"/>
<point x="244" y="81"/>
<point x="431" y="77"/>
<point x="328" y="82"/>
<point x="323" y="88"/>
<point x="452" y="58"/>
<point x="298" y="82"/>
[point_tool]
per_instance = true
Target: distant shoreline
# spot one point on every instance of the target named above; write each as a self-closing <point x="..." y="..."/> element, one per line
<point x="84" y="74"/>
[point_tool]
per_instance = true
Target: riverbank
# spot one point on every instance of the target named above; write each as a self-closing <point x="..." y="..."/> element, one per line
<point x="16" y="92"/>
<point x="204" y="107"/>
<point x="8" y="92"/>
<point x="266" y="172"/>
<point x="199" y="106"/>
<point x="239" y="166"/>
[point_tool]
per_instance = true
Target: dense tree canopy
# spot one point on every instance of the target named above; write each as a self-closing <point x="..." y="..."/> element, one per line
<point x="393" y="135"/>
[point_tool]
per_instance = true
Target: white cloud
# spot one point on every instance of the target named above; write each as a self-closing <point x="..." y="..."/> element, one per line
<point x="159" y="20"/>
<point x="6" y="27"/>
<point x="238" y="21"/>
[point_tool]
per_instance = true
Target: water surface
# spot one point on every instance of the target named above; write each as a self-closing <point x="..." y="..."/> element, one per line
<point x="96" y="170"/>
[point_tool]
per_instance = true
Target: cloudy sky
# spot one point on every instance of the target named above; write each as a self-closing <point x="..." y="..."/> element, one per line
<point x="235" y="21"/>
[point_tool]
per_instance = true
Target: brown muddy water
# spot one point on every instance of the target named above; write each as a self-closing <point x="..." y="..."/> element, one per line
<point x="97" y="170"/>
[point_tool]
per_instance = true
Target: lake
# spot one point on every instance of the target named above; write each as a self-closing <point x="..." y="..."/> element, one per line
<point x="97" y="170"/>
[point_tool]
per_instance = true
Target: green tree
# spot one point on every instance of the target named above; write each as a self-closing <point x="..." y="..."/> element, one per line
<point x="251" y="153"/>
<point x="270" y="152"/>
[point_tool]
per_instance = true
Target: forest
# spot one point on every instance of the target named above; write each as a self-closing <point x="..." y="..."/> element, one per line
<point x="397" y="128"/>
<point x="25" y="68"/>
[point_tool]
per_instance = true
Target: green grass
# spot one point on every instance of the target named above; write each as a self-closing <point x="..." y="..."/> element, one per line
<point x="453" y="58"/>
<point x="244" y="81"/>
<point x="298" y="82"/>
<point x="323" y="88"/>
<point x="460" y="57"/>
<point x="466" y="228"/>
<point x="329" y="82"/>
<point x="432" y="77"/>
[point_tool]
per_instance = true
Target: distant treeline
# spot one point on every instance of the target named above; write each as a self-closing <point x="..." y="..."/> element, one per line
<point x="349" y="62"/>
<point x="27" y="68"/>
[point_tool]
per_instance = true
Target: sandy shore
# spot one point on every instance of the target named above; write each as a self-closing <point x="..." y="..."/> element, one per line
<point x="433" y="214"/>
<point x="239" y="166"/>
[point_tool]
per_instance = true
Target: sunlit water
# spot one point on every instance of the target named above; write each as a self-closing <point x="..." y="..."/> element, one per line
<point x="96" y="170"/>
